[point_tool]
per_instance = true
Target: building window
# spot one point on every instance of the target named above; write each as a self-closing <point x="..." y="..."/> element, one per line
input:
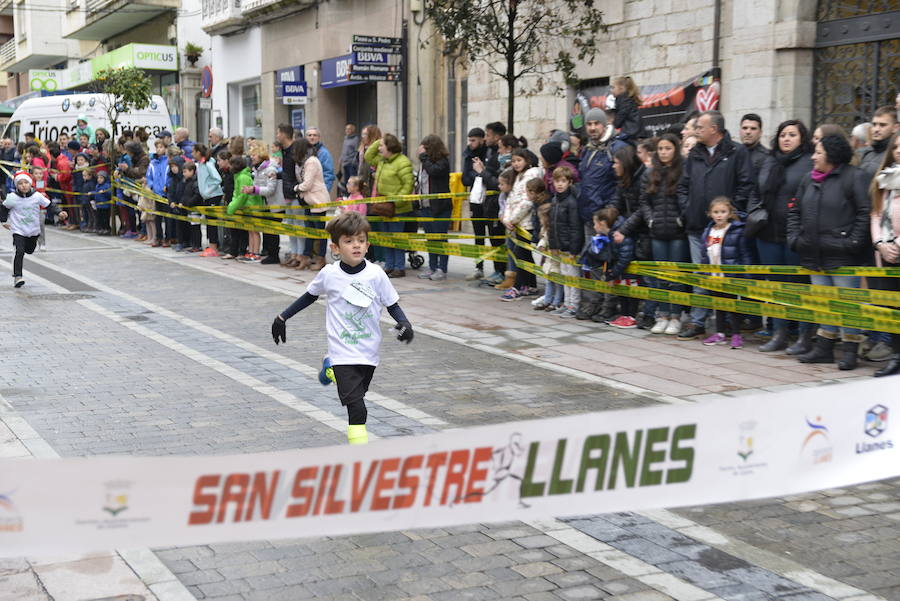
<point x="251" y="114"/>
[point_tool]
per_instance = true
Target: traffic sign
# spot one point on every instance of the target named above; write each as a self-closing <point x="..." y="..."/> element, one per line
<point x="374" y="76"/>
<point x="375" y="69"/>
<point x="376" y="40"/>
<point x="376" y="58"/>
<point x="393" y="49"/>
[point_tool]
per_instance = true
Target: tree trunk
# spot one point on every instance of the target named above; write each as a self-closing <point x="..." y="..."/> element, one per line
<point x="511" y="67"/>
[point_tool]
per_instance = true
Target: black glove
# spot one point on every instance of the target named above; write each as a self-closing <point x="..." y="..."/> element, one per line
<point x="404" y="331"/>
<point x="279" y="330"/>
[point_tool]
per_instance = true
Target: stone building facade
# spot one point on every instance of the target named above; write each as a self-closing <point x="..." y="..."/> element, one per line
<point x="769" y="55"/>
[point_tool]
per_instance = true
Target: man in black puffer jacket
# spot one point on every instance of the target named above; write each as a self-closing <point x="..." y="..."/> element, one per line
<point x="716" y="166"/>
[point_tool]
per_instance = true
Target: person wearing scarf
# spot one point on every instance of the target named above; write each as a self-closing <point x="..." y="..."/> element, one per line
<point x="828" y="226"/>
<point x="779" y="178"/>
<point x="885" y="229"/>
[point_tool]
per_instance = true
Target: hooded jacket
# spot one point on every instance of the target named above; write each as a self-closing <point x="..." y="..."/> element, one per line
<point x="394" y="176"/>
<point x="158" y="173"/>
<point x="208" y="180"/>
<point x="828" y="225"/>
<point x="728" y="172"/>
<point x="438" y="174"/>
<point x="175" y="181"/>
<point x="658" y="211"/>
<point x="566" y="232"/>
<point x="604" y="253"/>
<point x="240" y="200"/>
<point x="734" y="245"/>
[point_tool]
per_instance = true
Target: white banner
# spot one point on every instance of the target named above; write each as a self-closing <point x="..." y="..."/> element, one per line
<point x="742" y="448"/>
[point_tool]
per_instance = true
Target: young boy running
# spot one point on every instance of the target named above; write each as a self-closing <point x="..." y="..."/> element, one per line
<point x="24" y="207"/>
<point x="356" y="290"/>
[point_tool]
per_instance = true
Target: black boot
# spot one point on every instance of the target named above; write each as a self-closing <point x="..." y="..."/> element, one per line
<point x="848" y="358"/>
<point x="778" y="341"/>
<point x="892" y="368"/>
<point x="803" y="344"/>
<point x="822" y="352"/>
<point x="585" y="310"/>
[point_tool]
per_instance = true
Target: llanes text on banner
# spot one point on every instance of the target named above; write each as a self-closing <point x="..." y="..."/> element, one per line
<point x="743" y="448"/>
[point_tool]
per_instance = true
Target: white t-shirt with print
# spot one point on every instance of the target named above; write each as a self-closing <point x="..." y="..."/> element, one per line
<point x="354" y="304"/>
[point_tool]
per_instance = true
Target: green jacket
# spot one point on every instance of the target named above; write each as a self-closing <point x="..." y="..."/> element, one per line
<point x="393" y="176"/>
<point x="239" y="200"/>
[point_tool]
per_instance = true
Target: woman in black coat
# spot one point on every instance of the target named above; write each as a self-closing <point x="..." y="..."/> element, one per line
<point x="828" y="226"/>
<point x="779" y="179"/>
<point x="434" y="178"/>
<point x="658" y="213"/>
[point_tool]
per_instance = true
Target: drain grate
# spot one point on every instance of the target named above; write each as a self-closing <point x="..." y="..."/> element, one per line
<point x="61" y="296"/>
<point x="120" y="598"/>
<point x="137" y="317"/>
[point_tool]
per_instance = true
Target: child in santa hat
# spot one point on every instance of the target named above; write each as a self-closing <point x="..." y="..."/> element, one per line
<point x="23" y="218"/>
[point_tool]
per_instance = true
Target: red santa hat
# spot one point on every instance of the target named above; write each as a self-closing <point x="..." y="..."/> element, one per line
<point x="23" y="175"/>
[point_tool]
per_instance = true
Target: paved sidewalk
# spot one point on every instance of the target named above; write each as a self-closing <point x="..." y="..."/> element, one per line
<point x="481" y="368"/>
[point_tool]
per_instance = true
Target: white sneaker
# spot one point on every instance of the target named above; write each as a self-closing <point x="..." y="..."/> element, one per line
<point x="660" y="326"/>
<point x="438" y="275"/>
<point x="18" y="282"/>
<point x="476" y="275"/>
<point x="426" y="275"/>
<point x="673" y="328"/>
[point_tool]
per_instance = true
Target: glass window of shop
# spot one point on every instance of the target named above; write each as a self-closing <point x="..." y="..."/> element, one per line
<point x="251" y="112"/>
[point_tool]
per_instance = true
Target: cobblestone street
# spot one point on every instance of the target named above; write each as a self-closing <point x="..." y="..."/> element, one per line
<point x="116" y="348"/>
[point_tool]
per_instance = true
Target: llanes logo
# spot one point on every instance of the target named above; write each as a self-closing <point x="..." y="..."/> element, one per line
<point x="116" y="497"/>
<point x="817" y="443"/>
<point x="876" y="424"/>
<point x="10" y="519"/>
<point x="746" y="449"/>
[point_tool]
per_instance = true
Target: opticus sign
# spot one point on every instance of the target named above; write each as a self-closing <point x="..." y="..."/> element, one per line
<point x="148" y="56"/>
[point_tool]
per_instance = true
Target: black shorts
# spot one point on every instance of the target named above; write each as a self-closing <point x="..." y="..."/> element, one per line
<point x="353" y="381"/>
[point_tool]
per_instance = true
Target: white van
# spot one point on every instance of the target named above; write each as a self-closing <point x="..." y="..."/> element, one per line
<point x="50" y="116"/>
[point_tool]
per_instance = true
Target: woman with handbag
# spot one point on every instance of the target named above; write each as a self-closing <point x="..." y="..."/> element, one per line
<point x="393" y="177"/>
<point x="779" y="178"/>
<point x="311" y="189"/>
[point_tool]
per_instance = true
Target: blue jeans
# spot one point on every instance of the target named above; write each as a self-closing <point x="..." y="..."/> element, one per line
<point x="670" y="250"/>
<point x="437" y="227"/>
<point x="309" y="243"/>
<point x="553" y="294"/>
<point x="773" y="253"/>
<point x="698" y="314"/>
<point x="394" y="258"/>
<point x="844" y="281"/>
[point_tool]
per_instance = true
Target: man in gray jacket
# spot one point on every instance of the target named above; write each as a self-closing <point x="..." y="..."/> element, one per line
<point x="349" y="160"/>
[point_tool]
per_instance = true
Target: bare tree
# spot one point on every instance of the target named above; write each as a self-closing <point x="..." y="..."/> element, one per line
<point x="529" y="37"/>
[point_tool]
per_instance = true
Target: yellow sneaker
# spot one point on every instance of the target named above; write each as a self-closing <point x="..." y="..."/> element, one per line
<point x="357" y="434"/>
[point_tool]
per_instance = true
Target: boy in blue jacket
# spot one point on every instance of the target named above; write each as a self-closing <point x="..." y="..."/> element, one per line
<point x="607" y="260"/>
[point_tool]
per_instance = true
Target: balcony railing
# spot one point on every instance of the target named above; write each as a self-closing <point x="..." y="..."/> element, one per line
<point x="95" y="5"/>
<point x="8" y="52"/>
<point x="219" y="17"/>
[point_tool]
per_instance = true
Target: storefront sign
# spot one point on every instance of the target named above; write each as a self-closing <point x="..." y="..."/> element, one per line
<point x="143" y="56"/>
<point x="45" y="80"/>
<point x="662" y="106"/>
<point x="290" y="82"/>
<point x="336" y="71"/>
<point x="376" y="58"/>
<point x="159" y="58"/>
